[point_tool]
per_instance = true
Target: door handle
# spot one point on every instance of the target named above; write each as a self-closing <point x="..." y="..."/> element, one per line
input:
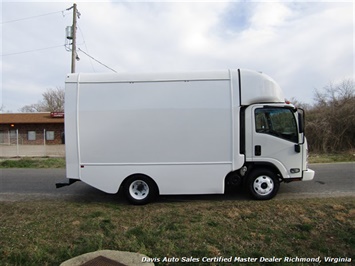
<point x="257" y="150"/>
<point x="297" y="148"/>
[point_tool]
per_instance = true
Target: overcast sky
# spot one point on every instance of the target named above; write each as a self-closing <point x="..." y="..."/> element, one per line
<point x="302" y="45"/>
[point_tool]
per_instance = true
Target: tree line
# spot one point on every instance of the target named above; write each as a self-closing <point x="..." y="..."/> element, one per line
<point x="330" y="121"/>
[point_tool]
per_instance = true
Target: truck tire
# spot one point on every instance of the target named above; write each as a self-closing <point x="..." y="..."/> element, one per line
<point x="140" y="189"/>
<point x="263" y="184"/>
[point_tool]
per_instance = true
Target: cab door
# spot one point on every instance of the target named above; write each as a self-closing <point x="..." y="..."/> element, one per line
<point x="275" y="139"/>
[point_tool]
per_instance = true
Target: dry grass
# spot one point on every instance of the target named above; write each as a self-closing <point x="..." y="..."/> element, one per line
<point x="348" y="156"/>
<point x="50" y="232"/>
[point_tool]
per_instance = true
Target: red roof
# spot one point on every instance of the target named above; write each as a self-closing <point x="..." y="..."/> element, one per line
<point x="29" y="118"/>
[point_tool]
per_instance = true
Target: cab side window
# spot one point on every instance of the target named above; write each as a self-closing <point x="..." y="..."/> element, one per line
<point x="278" y="122"/>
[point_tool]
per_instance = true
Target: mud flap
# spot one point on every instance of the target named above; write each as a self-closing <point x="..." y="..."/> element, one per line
<point x="71" y="181"/>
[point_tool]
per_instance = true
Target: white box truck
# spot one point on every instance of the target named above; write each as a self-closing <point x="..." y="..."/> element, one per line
<point x="182" y="133"/>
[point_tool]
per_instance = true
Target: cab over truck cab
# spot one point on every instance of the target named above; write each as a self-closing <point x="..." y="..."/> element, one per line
<point x="182" y="133"/>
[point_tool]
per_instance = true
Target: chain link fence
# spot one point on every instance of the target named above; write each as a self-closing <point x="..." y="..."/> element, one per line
<point x="32" y="144"/>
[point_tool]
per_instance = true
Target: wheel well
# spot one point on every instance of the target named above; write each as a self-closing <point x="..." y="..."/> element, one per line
<point x="267" y="166"/>
<point x="137" y="175"/>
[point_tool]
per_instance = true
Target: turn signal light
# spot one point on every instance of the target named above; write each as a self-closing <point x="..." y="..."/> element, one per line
<point x="295" y="170"/>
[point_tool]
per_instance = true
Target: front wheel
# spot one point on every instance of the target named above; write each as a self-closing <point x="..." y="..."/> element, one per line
<point x="140" y="189"/>
<point x="263" y="184"/>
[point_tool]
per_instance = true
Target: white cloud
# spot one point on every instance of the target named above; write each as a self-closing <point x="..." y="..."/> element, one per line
<point x="156" y="36"/>
<point x="302" y="45"/>
<point x="299" y="46"/>
<point x="269" y="15"/>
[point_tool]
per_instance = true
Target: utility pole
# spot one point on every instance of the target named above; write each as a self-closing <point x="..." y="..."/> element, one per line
<point x="73" y="52"/>
<point x="71" y="35"/>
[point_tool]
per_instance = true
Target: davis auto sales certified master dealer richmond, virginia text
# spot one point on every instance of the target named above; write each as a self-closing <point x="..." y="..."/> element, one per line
<point x="236" y="259"/>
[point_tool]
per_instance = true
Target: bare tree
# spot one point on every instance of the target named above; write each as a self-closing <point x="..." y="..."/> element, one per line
<point x="3" y="109"/>
<point x="32" y="108"/>
<point x="331" y="121"/>
<point x="300" y="104"/>
<point x="53" y="101"/>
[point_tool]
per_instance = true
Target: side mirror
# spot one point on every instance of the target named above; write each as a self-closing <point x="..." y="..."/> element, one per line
<point x="300" y="120"/>
<point x="301" y="125"/>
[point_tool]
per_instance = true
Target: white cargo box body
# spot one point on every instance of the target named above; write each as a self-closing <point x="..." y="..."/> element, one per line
<point x="180" y="129"/>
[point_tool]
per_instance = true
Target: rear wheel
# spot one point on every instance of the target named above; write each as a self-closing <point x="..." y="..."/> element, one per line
<point x="140" y="189"/>
<point x="263" y="184"/>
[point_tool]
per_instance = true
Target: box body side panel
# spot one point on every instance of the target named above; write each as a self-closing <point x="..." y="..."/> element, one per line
<point x="71" y="134"/>
<point x="155" y="122"/>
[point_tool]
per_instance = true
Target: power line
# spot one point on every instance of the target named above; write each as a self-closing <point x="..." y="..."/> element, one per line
<point x="82" y="35"/>
<point x="97" y="60"/>
<point x="28" y="18"/>
<point x="34" y="50"/>
<point x="20" y="19"/>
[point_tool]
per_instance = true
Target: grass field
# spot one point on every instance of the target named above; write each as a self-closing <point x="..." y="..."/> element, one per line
<point x="50" y="232"/>
<point x="33" y="163"/>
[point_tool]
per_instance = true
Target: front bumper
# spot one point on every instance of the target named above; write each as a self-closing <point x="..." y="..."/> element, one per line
<point x="308" y="175"/>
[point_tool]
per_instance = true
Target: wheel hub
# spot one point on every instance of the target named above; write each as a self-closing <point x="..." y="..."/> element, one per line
<point x="139" y="189"/>
<point x="263" y="185"/>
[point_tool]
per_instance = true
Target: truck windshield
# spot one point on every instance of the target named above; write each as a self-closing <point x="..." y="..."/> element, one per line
<point x="278" y="122"/>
